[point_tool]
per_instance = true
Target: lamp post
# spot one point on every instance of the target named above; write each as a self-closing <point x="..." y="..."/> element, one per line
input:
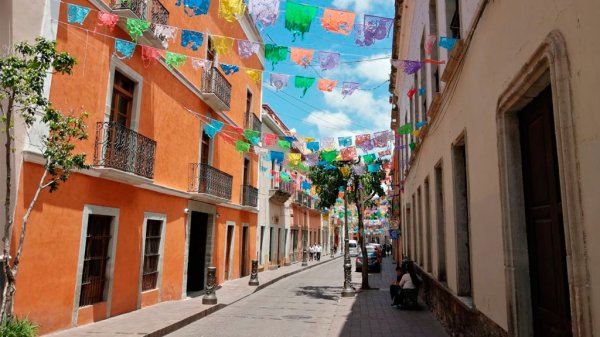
<point x="304" y="249"/>
<point x="348" y="291"/>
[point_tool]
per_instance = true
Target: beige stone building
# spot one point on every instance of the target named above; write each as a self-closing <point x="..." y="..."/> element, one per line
<point x="499" y="197"/>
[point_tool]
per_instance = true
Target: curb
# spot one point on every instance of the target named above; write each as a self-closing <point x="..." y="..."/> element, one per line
<point x="197" y="316"/>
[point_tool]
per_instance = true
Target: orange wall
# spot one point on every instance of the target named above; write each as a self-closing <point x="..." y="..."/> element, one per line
<point x="240" y="218"/>
<point x="53" y="240"/>
<point x="163" y="116"/>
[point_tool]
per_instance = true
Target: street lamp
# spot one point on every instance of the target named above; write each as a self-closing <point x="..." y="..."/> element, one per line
<point x="348" y="291"/>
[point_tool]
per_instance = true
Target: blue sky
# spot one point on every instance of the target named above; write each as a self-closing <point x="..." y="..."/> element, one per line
<point x="320" y="114"/>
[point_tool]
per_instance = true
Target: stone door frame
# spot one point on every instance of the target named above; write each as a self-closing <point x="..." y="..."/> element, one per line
<point x="549" y="65"/>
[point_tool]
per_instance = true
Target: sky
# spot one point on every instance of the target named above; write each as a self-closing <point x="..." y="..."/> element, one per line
<point x="323" y="114"/>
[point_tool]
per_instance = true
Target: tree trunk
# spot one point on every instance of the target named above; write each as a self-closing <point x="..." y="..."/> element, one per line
<point x="8" y="225"/>
<point x="361" y="236"/>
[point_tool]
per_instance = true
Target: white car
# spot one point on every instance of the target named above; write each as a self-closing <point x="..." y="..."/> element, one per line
<point x="354" y="250"/>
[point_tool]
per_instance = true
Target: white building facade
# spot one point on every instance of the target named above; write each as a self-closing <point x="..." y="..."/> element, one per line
<point x="498" y="191"/>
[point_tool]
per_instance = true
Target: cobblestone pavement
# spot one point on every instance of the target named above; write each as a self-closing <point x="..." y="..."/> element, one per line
<point x="309" y="304"/>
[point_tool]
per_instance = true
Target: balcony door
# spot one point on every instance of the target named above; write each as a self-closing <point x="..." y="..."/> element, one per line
<point x="119" y="147"/>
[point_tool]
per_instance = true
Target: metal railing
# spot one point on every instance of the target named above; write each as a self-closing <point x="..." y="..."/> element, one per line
<point x="204" y="178"/>
<point x="156" y="14"/>
<point x="249" y="196"/>
<point x="123" y="149"/>
<point x="138" y="7"/>
<point x="215" y="83"/>
<point x="256" y="123"/>
<point x="282" y="186"/>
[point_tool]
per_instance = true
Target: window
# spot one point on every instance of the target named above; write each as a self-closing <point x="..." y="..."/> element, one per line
<point x="453" y="19"/>
<point x="248" y="116"/>
<point x="428" y="244"/>
<point x="441" y="229"/>
<point x="434" y="73"/>
<point x="93" y="279"/>
<point x="423" y="74"/>
<point x="246" y="177"/>
<point x="210" y="54"/>
<point x="205" y="149"/>
<point x="122" y="100"/>
<point x="461" y="204"/>
<point x="151" y="254"/>
<point x="420" y="239"/>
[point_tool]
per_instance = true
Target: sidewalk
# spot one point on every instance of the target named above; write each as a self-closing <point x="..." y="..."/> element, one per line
<point x="163" y="318"/>
<point x="370" y="314"/>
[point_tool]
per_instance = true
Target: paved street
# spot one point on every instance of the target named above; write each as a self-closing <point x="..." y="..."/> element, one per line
<point x="308" y="304"/>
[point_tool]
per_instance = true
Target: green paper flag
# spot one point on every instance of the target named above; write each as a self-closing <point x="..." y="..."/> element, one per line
<point x="137" y="28"/>
<point x="304" y="83"/>
<point x="329" y="156"/>
<point x="241" y="146"/>
<point x="275" y="53"/>
<point x="405" y="129"/>
<point x="298" y="18"/>
<point x="412" y="146"/>
<point x="284" y="144"/>
<point x="252" y="136"/>
<point x="175" y="60"/>
<point x="369" y="158"/>
<point x="303" y="167"/>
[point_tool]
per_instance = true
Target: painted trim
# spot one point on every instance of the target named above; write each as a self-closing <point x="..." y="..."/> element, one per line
<point x="231" y="250"/>
<point x="160" y="217"/>
<point x="116" y="64"/>
<point x="87" y="211"/>
<point x="548" y="65"/>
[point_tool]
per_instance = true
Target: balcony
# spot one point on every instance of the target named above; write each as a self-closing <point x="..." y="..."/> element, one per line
<point x="251" y="122"/>
<point x="119" y="148"/>
<point x="216" y="90"/>
<point x="209" y="184"/>
<point x="148" y="10"/>
<point x="281" y="191"/>
<point x="249" y="196"/>
<point x="304" y="200"/>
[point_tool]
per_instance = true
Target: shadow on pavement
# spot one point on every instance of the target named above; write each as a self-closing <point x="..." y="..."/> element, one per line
<point x="320" y="292"/>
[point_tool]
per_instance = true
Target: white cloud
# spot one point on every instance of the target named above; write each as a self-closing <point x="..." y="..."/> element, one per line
<point x="364" y="108"/>
<point x="371" y="72"/>
<point x="359" y="113"/>
<point x="364" y="6"/>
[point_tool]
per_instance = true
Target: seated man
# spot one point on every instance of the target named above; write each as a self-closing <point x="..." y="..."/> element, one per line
<point x="409" y="286"/>
<point x="395" y="287"/>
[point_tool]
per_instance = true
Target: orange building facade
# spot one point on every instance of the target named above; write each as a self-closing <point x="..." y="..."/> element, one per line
<point x="162" y="200"/>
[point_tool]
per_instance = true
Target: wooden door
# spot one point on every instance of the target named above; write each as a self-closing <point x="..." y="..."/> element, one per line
<point x="545" y="233"/>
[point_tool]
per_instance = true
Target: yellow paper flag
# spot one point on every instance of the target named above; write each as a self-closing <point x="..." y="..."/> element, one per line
<point x="221" y="45"/>
<point x="229" y="10"/>
<point x="255" y="75"/>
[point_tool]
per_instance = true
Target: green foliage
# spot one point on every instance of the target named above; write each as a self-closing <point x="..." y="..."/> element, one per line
<point x="22" y="77"/>
<point x="328" y="182"/>
<point x="18" y="328"/>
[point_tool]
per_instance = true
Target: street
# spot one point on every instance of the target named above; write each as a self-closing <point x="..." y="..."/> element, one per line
<point x="309" y="304"/>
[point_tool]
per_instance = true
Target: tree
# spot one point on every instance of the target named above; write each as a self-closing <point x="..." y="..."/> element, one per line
<point x="22" y="77"/>
<point x="360" y="187"/>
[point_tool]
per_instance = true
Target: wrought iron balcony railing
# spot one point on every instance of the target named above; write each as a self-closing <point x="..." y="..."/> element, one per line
<point x="206" y="179"/>
<point x="215" y="83"/>
<point x="256" y="123"/>
<point x="249" y="196"/>
<point x="123" y="149"/>
<point x="148" y="10"/>
<point x="282" y="186"/>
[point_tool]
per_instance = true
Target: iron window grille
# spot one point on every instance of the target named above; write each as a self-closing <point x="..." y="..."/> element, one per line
<point x="151" y="254"/>
<point x="96" y="257"/>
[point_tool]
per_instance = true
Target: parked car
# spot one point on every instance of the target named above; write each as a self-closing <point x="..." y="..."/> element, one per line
<point x="378" y="249"/>
<point x="374" y="263"/>
<point x="354" y="250"/>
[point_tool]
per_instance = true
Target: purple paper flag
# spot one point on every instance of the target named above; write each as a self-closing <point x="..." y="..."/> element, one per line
<point x="264" y="11"/>
<point x="279" y="81"/>
<point x="349" y="88"/>
<point x="372" y="29"/>
<point x="409" y="67"/>
<point x="247" y="48"/>
<point x="328" y="60"/>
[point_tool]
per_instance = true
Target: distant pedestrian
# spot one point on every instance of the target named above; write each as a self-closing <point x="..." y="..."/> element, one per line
<point x="318" y="251"/>
<point x="311" y="251"/>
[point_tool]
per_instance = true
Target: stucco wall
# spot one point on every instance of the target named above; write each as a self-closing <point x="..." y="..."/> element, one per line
<point x="506" y="37"/>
